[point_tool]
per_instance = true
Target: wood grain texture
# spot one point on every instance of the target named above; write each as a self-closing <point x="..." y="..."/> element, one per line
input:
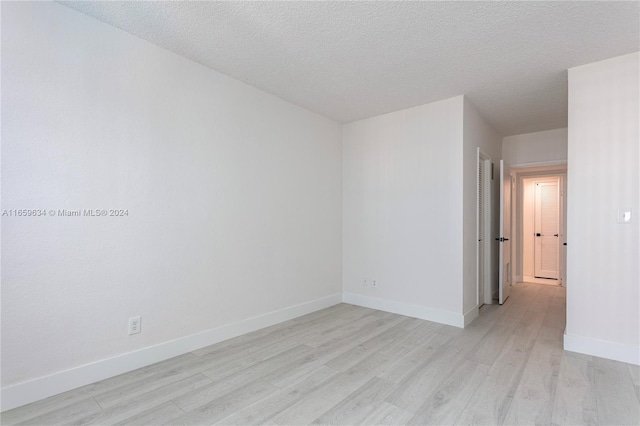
<point x="358" y="405"/>
<point x="575" y="401"/>
<point x="354" y="365"/>
<point x="615" y="395"/>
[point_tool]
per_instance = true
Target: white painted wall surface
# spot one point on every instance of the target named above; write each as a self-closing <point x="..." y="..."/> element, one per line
<point x="603" y="309"/>
<point x="402" y="210"/>
<point x="549" y="146"/>
<point x="478" y="133"/>
<point x="234" y="196"/>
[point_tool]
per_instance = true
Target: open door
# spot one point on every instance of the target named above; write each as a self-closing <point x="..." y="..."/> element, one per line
<point x="504" y="270"/>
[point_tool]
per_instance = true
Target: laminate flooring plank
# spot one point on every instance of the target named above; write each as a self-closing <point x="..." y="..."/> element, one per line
<point x="309" y="331"/>
<point x="414" y="323"/>
<point x="354" y="330"/>
<point x="284" y="331"/>
<point x="262" y="411"/>
<point x="470" y="337"/>
<point x="556" y="317"/>
<point x="129" y="407"/>
<point x="387" y="414"/>
<point x="575" y="401"/>
<point x="356" y="354"/>
<point x="343" y="311"/>
<point x="323" y="398"/>
<point x="443" y="405"/>
<point x="405" y="365"/>
<point x="143" y="385"/>
<point x="338" y="314"/>
<point x="226" y="404"/>
<point x="69" y="398"/>
<point x="559" y="297"/>
<point x="543" y="298"/>
<point x="488" y="313"/>
<point x="634" y="371"/>
<point x="334" y="391"/>
<point x="487" y="349"/>
<point x="154" y="416"/>
<point x="39" y="409"/>
<point x="179" y="363"/>
<point x="224" y="350"/>
<point x="403" y="344"/>
<point x="534" y="397"/>
<point x="286" y="375"/>
<point x="358" y="405"/>
<point x="522" y="296"/>
<point x="513" y="313"/>
<point x="185" y="370"/>
<point x="62" y="415"/>
<point x="292" y="372"/>
<point x="492" y="399"/>
<point x="220" y="369"/>
<point x="230" y="383"/>
<point x="530" y="325"/>
<point x="427" y="377"/>
<point x="615" y="394"/>
<point x="132" y="390"/>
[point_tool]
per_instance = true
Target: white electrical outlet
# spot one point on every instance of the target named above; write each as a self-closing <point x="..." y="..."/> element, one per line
<point x="374" y="283"/>
<point x="135" y="325"/>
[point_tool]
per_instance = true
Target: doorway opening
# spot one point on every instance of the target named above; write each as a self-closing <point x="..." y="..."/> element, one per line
<point x="539" y="247"/>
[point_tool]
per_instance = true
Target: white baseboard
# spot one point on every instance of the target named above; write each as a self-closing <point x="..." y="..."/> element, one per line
<point x="602" y="348"/>
<point x="401" y="308"/>
<point x="44" y="387"/>
<point x="471" y="315"/>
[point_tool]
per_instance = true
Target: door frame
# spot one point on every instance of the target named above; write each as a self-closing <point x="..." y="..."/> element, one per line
<point x="530" y="170"/>
<point x="505" y="227"/>
<point x="486" y="238"/>
<point x="556" y="181"/>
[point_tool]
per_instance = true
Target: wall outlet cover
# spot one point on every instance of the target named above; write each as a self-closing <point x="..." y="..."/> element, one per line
<point x="135" y="325"/>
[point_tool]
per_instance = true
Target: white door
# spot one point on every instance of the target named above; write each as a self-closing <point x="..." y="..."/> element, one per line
<point x="504" y="274"/>
<point x="547" y="229"/>
<point x="484" y="229"/>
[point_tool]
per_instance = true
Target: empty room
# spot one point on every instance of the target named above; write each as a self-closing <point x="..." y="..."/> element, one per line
<point x="347" y="213"/>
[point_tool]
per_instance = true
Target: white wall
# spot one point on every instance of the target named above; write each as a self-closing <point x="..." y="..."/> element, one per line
<point x="402" y="211"/>
<point x="234" y="196"/>
<point x="409" y="203"/>
<point x="603" y="309"/>
<point x="477" y="133"/>
<point x="549" y="146"/>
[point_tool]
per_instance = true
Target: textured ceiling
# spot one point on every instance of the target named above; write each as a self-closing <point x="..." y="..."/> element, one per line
<point x="352" y="60"/>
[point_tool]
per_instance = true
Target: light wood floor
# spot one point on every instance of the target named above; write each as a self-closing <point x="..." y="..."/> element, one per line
<point x="352" y="365"/>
